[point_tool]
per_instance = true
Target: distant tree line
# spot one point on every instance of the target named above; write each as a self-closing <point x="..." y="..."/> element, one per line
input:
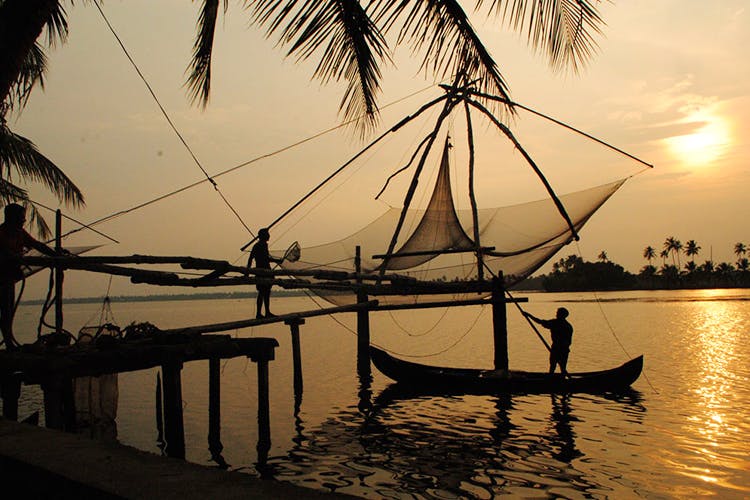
<point x="572" y="273"/>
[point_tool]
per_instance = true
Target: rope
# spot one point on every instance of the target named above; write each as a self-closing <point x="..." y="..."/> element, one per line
<point x="169" y="120"/>
<point x="429" y="330"/>
<point x="448" y="348"/>
<point x="611" y="328"/>
<point x="134" y="208"/>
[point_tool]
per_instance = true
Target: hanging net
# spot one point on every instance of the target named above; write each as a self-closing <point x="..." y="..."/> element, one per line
<point x="516" y="240"/>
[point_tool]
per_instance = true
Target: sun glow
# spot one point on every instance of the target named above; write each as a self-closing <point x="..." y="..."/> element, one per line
<point x="705" y="145"/>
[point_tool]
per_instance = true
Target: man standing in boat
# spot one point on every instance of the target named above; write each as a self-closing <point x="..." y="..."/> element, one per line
<point x="263" y="259"/>
<point x="562" y="336"/>
<point x="14" y="240"/>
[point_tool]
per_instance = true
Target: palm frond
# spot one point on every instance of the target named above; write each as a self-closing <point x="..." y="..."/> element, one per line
<point x="10" y="193"/>
<point x="442" y="30"/>
<point x="199" y="79"/>
<point x="57" y="25"/>
<point x="564" y="29"/>
<point x="351" y="47"/>
<point x="36" y="220"/>
<point x="19" y="155"/>
<point x="31" y="73"/>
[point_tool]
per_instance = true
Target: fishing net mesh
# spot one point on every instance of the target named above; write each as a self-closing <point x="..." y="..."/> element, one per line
<point x="517" y="239"/>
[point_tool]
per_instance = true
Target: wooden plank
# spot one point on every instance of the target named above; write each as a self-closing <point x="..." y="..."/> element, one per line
<point x="246" y="323"/>
<point x="89" y="361"/>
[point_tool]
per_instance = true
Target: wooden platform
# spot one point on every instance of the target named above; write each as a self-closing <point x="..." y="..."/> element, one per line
<point x="35" y="364"/>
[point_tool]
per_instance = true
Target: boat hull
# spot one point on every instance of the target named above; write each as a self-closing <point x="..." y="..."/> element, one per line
<point x="468" y="380"/>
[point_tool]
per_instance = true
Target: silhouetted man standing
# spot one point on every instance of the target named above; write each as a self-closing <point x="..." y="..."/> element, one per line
<point x="14" y="240"/>
<point x="263" y="259"/>
<point x="562" y="336"/>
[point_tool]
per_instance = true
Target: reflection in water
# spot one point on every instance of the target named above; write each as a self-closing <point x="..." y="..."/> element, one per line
<point x="444" y="446"/>
<point x="713" y="429"/>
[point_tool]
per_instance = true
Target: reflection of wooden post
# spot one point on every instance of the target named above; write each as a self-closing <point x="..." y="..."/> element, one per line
<point x="58" y="275"/>
<point x="499" y="324"/>
<point x="173" y="423"/>
<point x="11" y="391"/>
<point x="294" y="324"/>
<point x="214" y="407"/>
<point x="363" y="322"/>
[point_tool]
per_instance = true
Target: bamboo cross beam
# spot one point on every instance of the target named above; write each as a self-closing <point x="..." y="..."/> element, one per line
<point x="246" y="323"/>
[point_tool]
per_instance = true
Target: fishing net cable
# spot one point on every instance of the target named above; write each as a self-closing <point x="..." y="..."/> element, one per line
<point x="169" y="119"/>
<point x="612" y="329"/>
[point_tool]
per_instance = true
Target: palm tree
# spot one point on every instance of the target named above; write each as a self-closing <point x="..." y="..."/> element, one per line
<point x="673" y="246"/>
<point x="739" y="250"/>
<point x="349" y="39"/>
<point x="19" y="157"/>
<point x="664" y="254"/>
<point x="649" y="253"/>
<point x="692" y="249"/>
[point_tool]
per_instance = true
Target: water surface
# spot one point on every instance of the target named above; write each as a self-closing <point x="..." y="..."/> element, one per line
<point x="682" y="432"/>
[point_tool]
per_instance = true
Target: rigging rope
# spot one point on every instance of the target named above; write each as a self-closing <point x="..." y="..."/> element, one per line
<point x="169" y="120"/>
<point x="234" y="168"/>
<point x="611" y="328"/>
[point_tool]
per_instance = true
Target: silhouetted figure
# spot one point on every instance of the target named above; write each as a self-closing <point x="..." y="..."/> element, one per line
<point x="14" y="240"/>
<point x="263" y="259"/>
<point x="562" y="336"/>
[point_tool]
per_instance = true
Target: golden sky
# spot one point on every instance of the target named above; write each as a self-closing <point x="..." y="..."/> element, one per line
<point x="669" y="85"/>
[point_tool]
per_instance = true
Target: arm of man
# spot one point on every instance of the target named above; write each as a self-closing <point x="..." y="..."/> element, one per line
<point x="31" y="242"/>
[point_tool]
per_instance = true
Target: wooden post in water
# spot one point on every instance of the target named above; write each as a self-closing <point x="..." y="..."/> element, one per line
<point x="262" y="357"/>
<point x="174" y="430"/>
<point x="499" y="324"/>
<point x="363" y="322"/>
<point x="59" y="407"/>
<point x="294" y="324"/>
<point x="214" y="408"/>
<point x="58" y="275"/>
<point x="10" y="387"/>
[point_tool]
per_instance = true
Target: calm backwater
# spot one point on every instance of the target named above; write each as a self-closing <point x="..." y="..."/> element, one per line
<point x="683" y="431"/>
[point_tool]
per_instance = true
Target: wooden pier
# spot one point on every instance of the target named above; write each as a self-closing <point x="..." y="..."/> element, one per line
<point x="55" y="367"/>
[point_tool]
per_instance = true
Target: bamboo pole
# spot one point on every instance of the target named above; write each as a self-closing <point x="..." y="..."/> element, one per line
<point x="505" y="130"/>
<point x="59" y="275"/>
<point x="472" y="197"/>
<point x="449" y="105"/>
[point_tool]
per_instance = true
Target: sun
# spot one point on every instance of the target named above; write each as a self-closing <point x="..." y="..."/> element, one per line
<point x="705" y="145"/>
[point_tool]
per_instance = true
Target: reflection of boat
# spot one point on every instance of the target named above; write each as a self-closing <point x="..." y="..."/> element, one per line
<point x="468" y="380"/>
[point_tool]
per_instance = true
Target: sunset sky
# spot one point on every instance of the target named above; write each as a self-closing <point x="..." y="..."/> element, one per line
<point x="670" y="85"/>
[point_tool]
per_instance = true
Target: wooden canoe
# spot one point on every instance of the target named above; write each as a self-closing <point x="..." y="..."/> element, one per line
<point x="468" y="380"/>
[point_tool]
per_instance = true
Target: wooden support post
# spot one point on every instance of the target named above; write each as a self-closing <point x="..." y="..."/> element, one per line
<point x="55" y="399"/>
<point x="262" y="357"/>
<point x="11" y="392"/>
<point x="264" y="418"/>
<point x="159" y="414"/>
<point x="174" y="430"/>
<point x="363" y="323"/>
<point x="214" y="408"/>
<point x="294" y="324"/>
<point x="499" y="324"/>
<point x="59" y="274"/>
